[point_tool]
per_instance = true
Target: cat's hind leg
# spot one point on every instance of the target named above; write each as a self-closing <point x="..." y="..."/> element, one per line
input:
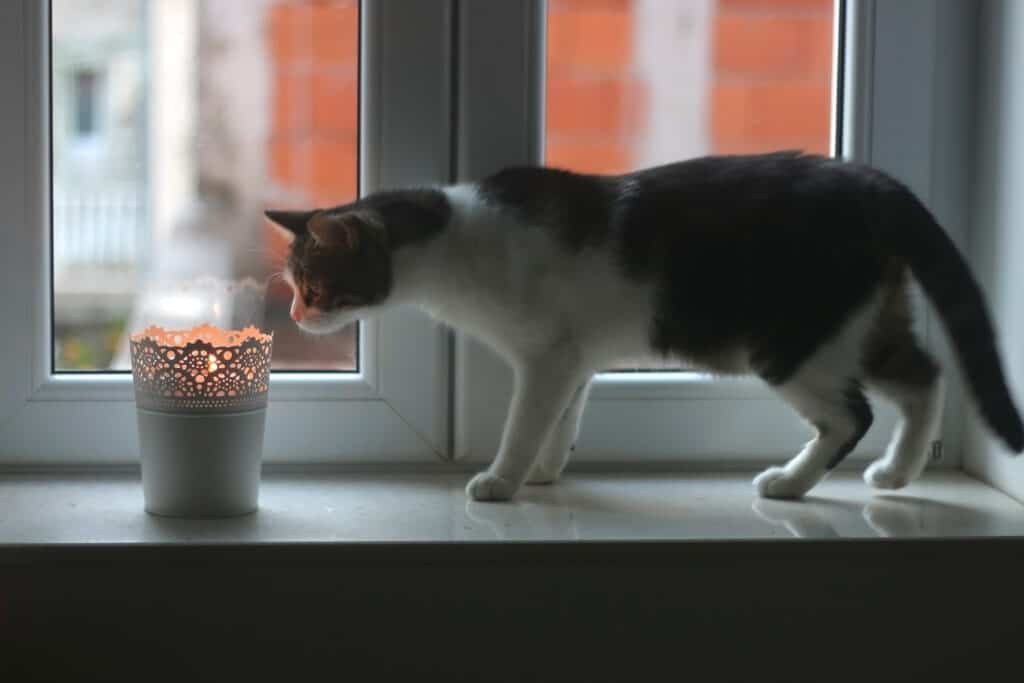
<point x="561" y="443"/>
<point x="838" y="410"/>
<point x="824" y="387"/>
<point x="910" y="378"/>
<point x="543" y="391"/>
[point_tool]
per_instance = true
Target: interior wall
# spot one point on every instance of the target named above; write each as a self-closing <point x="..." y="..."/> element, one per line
<point x="996" y="244"/>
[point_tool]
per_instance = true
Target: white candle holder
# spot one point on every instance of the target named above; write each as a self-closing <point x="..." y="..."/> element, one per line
<point x="201" y="399"/>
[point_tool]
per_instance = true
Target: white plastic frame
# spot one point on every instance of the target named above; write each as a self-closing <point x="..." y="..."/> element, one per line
<point x="890" y="90"/>
<point x="395" y="409"/>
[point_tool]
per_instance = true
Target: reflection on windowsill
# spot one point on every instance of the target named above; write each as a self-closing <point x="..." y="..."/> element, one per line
<point x="335" y="506"/>
<point x="611" y="507"/>
<point x="887" y="516"/>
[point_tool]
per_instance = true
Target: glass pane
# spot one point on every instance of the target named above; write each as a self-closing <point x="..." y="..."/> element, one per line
<point x="635" y="83"/>
<point x="175" y="123"/>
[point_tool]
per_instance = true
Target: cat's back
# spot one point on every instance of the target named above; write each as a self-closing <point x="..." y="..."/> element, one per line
<point x="765" y="209"/>
<point x="721" y="239"/>
<point x="722" y="196"/>
<point x="575" y="207"/>
<point x="726" y="192"/>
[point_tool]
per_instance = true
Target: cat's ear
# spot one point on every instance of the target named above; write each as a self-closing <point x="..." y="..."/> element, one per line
<point x="340" y="230"/>
<point x="290" y="223"/>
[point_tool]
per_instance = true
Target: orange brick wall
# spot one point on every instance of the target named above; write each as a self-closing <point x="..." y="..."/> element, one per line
<point x="770" y="86"/>
<point x="314" y="53"/>
<point x="771" y="63"/>
<point x="595" y="99"/>
<point x="772" y="74"/>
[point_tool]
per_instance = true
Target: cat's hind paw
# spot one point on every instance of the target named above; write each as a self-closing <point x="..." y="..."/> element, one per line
<point x="487" y="486"/>
<point x="882" y="475"/>
<point x="540" y="476"/>
<point x="777" y="482"/>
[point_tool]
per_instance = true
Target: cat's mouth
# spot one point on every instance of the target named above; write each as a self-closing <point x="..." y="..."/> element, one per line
<point x="326" y="323"/>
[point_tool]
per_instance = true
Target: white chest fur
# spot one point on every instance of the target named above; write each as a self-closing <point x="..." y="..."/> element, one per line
<point x="517" y="289"/>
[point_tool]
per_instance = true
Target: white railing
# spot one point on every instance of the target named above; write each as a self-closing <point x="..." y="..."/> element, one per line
<point x="98" y="227"/>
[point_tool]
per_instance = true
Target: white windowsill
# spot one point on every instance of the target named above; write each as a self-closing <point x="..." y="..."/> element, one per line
<point x="345" y="507"/>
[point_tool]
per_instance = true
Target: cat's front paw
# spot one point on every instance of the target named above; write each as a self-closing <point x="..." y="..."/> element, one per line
<point x="487" y="486"/>
<point x="777" y="482"/>
<point x="883" y="475"/>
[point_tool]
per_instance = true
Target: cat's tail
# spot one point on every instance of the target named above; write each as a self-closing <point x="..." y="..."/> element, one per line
<point x="937" y="264"/>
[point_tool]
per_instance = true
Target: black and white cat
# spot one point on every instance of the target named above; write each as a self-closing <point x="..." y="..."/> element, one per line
<point x="790" y="267"/>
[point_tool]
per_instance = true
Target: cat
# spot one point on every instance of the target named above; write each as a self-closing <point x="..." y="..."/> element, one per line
<point x="788" y="266"/>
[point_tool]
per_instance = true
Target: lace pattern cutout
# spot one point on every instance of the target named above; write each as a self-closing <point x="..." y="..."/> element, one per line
<point x="201" y="370"/>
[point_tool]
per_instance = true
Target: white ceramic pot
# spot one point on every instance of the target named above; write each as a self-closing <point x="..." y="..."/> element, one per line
<point x="201" y="465"/>
<point x="201" y="400"/>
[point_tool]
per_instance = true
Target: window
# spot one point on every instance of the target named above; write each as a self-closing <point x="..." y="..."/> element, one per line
<point x="410" y="93"/>
<point x="212" y="121"/>
<point x="153" y="135"/>
<point x="638" y="83"/>
<point x="85" y="86"/>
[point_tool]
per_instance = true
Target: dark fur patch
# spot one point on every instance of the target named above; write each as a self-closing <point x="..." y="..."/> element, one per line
<point x="358" y="271"/>
<point x="767" y="253"/>
<point x="331" y="278"/>
<point x="409" y="216"/>
<point x="860" y="410"/>
<point x="575" y="207"/>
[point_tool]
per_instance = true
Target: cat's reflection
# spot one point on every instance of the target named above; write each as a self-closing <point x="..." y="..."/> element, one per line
<point x="802" y="519"/>
<point x="577" y="513"/>
<point x="524" y="520"/>
<point x="899" y="518"/>
<point x="884" y="516"/>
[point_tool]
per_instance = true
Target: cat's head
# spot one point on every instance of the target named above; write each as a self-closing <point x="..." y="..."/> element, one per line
<point x="340" y="263"/>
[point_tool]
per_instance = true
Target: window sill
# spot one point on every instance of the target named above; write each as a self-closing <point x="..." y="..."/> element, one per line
<point x="301" y="583"/>
<point x="363" y="508"/>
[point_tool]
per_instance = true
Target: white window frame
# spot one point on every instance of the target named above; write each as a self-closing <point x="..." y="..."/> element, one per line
<point x="396" y="409"/>
<point x="900" y="113"/>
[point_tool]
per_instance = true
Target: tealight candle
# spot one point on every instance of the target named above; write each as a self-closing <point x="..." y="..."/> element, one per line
<point x="201" y="398"/>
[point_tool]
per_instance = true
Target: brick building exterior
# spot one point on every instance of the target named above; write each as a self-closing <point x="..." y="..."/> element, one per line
<point x="769" y="81"/>
<point x="770" y="67"/>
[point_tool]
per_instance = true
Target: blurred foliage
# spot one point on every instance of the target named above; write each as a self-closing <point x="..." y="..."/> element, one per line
<point x="89" y="348"/>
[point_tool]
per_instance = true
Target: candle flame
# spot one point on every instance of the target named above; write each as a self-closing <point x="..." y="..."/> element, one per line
<point x="213" y="364"/>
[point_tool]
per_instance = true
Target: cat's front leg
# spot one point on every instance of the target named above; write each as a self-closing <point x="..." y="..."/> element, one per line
<point x="543" y="392"/>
